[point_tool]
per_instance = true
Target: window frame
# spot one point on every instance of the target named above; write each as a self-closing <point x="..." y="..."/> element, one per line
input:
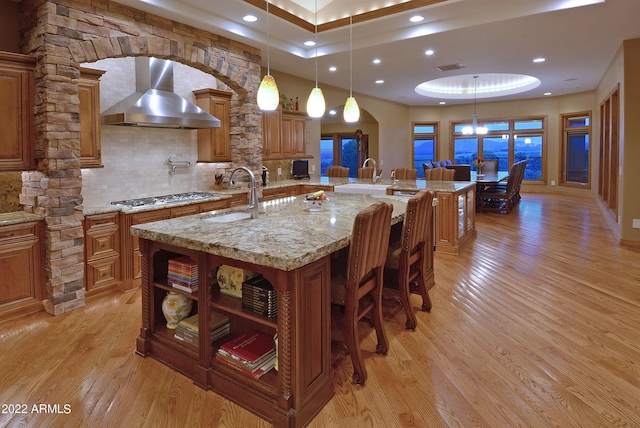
<point x="512" y="133"/>
<point x="425" y="135"/>
<point x="565" y="131"/>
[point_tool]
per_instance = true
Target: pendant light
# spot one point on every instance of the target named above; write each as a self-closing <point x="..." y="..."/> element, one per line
<point x="268" y="95"/>
<point x="351" y="110"/>
<point x="474" y="129"/>
<point x="315" y="103"/>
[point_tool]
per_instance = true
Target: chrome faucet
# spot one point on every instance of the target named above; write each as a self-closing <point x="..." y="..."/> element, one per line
<point x="375" y="167"/>
<point x="253" y="193"/>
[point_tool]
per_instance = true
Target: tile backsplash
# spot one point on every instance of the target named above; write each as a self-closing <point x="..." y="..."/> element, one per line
<point x="135" y="159"/>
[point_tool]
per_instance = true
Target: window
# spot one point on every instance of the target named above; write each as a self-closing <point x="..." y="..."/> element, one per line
<point x="424" y="144"/>
<point x="575" y="156"/>
<point x="342" y="149"/>
<point x="508" y="140"/>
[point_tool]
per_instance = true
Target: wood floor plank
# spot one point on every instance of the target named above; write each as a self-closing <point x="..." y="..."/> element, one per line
<point x="535" y="324"/>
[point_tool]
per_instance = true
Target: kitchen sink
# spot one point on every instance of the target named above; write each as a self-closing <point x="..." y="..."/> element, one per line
<point x="362" y="188"/>
<point x="229" y="217"/>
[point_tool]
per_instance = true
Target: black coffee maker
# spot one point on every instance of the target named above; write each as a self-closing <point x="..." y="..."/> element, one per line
<point x="265" y="176"/>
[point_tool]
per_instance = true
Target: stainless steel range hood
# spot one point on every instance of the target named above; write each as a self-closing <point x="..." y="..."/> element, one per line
<point x="154" y="104"/>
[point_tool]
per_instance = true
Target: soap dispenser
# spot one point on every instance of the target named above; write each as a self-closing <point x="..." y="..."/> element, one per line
<point x="265" y="176"/>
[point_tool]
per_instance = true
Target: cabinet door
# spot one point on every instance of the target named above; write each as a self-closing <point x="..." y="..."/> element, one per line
<point x="140" y="218"/>
<point x="17" y="120"/>
<point x="214" y="145"/>
<point x="21" y="266"/>
<point x="271" y="134"/>
<point x="293" y="136"/>
<point x="89" y="94"/>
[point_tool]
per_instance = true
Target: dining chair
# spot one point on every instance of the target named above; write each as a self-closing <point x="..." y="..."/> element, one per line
<point x="365" y="172"/>
<point x="500" y="198"/>
<point x="490" y="166"/>
<point x="337" y="171"/>
<point x="409" y="263"/>
<point x="404" y="173"/>
<point x="439" y="174"/>
<point x="357" y="284"/>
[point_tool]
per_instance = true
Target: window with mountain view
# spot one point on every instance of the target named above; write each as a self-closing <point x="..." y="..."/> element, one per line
<point x="424" y="144"/>
<point x="508" y="140"/>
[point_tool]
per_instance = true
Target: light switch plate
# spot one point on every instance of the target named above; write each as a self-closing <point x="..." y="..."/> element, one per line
<point x="636" y="223"/>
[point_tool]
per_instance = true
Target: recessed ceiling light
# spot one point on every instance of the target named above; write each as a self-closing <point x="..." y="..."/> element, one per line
<point x="443" y="102"/>
<point x="309" y="43"/>
<point x="379" y="81"/>
<point x="333" y="68"/>
<point x="429" y="52"/>
<point x="249" y="18"/>
<point x="377" y="61"/>
<point x="547" y="93"/>
<point x="416" y="18"/>
<point x="332" y="112"/>
<point x="539" y="59"/>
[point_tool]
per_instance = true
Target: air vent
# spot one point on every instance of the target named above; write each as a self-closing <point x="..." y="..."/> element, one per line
<point x="450" y="67"/>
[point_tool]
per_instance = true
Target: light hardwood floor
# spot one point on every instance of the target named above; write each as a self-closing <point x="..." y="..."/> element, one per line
<point x="537" y="324"/>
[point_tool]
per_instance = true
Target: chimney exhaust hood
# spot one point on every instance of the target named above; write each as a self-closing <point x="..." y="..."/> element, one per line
<point x="154" y="104"/>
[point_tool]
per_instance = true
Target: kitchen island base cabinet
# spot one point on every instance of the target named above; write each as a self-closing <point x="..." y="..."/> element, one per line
<point x="303" y="383"/>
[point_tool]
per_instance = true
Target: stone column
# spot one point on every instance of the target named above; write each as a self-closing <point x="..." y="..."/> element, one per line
<point x="54" y="190"/>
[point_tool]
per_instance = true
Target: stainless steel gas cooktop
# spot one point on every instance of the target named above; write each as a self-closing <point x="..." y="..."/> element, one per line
<point x="160" y="200"/>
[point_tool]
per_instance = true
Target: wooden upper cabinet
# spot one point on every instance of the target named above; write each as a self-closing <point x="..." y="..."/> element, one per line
<point x="271" y="134"/>
<point x="17" y="119"/>
<point x="214" y="145"/>
<point x="89" y="94"/>
<point x="284" y="134"/>
<point x="294" y="138"/>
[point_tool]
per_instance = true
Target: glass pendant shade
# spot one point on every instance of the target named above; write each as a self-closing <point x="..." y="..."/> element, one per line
<point x="315" y="103"/>
<point x="351" y="110"/>
<point x="268" y="95"/>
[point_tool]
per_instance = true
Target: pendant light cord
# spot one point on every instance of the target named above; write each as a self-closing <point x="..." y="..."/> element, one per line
<point x="268" y="43"/>
<point x="350" y="49"/>
<point x="316" y="23"/>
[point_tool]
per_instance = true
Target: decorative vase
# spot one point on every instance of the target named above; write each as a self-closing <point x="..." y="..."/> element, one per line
<point x="479" y="170"/>
<point x="175" y="308"/>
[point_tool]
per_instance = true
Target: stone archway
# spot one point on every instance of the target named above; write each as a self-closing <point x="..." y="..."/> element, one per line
<point x="62" y="34"/>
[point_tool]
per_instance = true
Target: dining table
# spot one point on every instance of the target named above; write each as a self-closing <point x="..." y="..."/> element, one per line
<point x="485" y="181"/>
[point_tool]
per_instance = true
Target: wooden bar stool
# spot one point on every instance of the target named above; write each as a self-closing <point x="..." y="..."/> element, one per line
<point x="405" y="173"/>
<point x="357" y="285"/>
<point x="337" y="171"/>
<point x="410" y="259"/>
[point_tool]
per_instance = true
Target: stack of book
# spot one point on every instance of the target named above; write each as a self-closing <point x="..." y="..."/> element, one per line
<point x="259" y="296"/>
<point x="252" y="353"/>
<point x="183" y="274"/>
<point x="187" y="329"/>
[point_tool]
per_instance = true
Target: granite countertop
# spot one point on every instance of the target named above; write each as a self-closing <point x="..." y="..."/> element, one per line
<point x="18" y="217"/>
<point x="400" y="185"/>
<point x="286" y="235"/>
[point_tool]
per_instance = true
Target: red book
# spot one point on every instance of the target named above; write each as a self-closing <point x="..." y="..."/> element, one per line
<point x="250" y="347"/>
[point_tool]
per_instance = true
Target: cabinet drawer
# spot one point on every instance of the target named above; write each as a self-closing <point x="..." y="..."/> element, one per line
<point x="101" y="221"/>
<point x="102" y="272"/>
<point x="184" y="210"/>
<point x="102" y="244"/>
<point x="271" y="194"/>
<point x="214" y="205"/>
<point x="18" y="232"/>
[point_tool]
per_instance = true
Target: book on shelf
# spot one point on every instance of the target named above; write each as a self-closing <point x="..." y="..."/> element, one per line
<point x="249" y="347"/>
<point x="252" y="367"/>
<point x="183" y="270"/>
<point x="183" y="287"/>
<point x="257" y="374"/>
<point x="259" y="296"/>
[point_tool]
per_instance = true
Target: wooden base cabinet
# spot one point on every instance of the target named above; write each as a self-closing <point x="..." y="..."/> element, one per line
<point x="102" y="253"/>
<point x="22" y="287"/>
<point x="303" y="383"/>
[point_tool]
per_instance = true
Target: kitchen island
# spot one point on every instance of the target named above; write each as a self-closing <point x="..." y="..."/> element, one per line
<point x="291" y="247"/>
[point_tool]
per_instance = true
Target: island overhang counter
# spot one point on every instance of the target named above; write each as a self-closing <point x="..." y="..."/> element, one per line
<point x="291" y="247"/>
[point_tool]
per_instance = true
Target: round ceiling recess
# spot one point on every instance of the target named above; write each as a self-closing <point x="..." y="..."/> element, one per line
<point x="489" y="85"/>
